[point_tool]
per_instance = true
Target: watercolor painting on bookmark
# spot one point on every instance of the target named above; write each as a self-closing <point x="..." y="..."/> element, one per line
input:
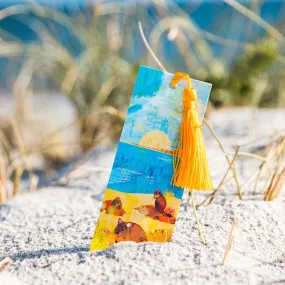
<point x="140" y="204"/>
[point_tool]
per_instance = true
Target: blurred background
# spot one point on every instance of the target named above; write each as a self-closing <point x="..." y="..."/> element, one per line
<point x="68" y="69"/>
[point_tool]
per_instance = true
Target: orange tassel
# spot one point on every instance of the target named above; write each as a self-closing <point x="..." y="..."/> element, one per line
<point x="191" y="170"/>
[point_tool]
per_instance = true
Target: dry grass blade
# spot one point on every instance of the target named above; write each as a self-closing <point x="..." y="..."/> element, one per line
<point x="249" y="180"/>
<point x="275" y="187"/>
<point x="34" y="180"/>
<point x="5" y="263"/>
<point x="17" y="180"/>
<point x="248" y="13"/>
<point x="41" y="11"/>
<point x="20" y="168"/>
<point x="262" y="166"/>
<point x="104" y="92"/>
<point x="185" y="27"/>
<point x="277" y="178"/>
<point x="228" y="42"/>
<point x="10" y="11"/>
<point x="149" y="48"/>
<point x="114" y="112"/>
<point x="251" y="155"/>
<point x="18" y="137"/>
<point x="6" y="145"/>
<point x="230" y="241"/>
<point x="267" y="183"/>
<point x="197" y="219"/>
<point x="3" y="179"/>
<point x="271" y="186"/>
<point x="271" y="152"/>
<point x="205" y="121"/>
<point x="278" y="185"/>
<point x="211" y="197"/>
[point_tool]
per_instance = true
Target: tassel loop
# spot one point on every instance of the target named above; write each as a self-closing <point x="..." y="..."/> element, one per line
<point x="191" y="170"/>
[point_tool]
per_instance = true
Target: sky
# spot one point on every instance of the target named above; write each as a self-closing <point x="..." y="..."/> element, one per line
<point x="154" y="106"/>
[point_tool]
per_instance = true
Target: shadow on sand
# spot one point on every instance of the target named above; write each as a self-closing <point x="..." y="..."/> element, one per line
<point x="47" y="252"/>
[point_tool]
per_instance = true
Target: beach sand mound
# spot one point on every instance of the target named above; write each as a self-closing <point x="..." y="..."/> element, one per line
<point x="47" y="234"/>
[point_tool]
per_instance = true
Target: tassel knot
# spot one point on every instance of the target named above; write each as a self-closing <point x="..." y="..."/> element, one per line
<point x="189" y="99"/>
<point x="191" y="170"/>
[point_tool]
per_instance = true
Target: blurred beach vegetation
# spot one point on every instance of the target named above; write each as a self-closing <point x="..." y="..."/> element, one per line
<point x="91" y="56"/>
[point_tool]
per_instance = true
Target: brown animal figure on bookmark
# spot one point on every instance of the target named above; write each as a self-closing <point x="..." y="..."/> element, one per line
<point x="114" y="207"/>
<point x="128" y="231"/>
<point x="159" y="211"/>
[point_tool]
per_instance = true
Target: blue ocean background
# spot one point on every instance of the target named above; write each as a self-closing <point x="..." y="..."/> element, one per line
<point x="139" y="170"/>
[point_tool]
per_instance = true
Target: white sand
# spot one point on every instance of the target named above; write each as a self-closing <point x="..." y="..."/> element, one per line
<point x="48" y="233"/>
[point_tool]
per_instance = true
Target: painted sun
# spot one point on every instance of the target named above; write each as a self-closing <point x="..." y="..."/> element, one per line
<point x="156" y="140"/>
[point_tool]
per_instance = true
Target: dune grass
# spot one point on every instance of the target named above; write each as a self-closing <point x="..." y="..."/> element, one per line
<point x="98" y="80"/>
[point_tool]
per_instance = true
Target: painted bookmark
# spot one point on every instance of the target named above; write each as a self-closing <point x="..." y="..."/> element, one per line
<point x="140" y="203"/>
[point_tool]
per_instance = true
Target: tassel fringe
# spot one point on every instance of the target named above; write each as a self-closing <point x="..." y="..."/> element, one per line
<point x="191" y="170"/>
